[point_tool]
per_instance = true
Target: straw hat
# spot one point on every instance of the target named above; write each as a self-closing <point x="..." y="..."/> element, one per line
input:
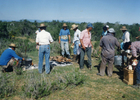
<point x="123" y="28"/>
<point x="42" y="25"/>
<point x="12" y="45"/>
<point x="74" y="26"/>
<point x="64" y="25"/>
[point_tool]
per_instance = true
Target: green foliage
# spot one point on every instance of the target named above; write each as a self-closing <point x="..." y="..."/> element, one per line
<point x="7" y="88"/>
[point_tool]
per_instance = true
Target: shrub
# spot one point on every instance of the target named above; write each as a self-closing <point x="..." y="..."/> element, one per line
<point x="7" y="87"/>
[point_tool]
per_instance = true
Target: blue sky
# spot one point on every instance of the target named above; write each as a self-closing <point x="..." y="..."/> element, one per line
<point x="123" y="11"/>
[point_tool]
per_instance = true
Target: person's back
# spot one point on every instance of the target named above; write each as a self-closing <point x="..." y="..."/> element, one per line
<point x="44" y="37"/>
<point x="7" y="55"/>
<point x="108" y="44"/>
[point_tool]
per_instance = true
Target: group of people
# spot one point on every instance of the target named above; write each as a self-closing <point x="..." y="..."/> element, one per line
<point x="82" y="42"/>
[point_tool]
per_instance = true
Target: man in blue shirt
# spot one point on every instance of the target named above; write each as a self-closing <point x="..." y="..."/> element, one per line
<point x="8" y="57"/>
<point x="64" y="36"/>
<point x="104" y="33"/>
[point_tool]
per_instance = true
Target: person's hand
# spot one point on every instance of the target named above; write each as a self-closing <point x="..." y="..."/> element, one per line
<point x="79" y="45"/>
<point x="23" y="58"/>
<point x="137" y="37"/>
<point x="92" y="46"/>
<point x="59" y="42"/>
<point x="84" y="47"/>
<point x="69" y="41"/>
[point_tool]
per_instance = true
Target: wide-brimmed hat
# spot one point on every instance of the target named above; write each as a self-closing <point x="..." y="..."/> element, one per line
<point x="74" y="26"/>
<point x="89" y="25"/>
<point x="12" y="45"/>
<point x="42" y="25"/>
<point x="123" y="28"/>
<point x="64" y="25"/>
<point x="111" y="30"/>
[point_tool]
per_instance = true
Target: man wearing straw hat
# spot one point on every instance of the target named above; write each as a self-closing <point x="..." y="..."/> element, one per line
<point x="64" y="36"/>
<point x="44" y="39"/>
<point x="85" y="39"/>
<point x="125" y="37"/>
<point x="9" y="57"/>
<point x="76" y="40"/>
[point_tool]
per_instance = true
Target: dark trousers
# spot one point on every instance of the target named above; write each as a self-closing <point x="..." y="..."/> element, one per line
<point x="138" y="73"/>
<point x="103" y="66"/>
<point x="82" y="54"/>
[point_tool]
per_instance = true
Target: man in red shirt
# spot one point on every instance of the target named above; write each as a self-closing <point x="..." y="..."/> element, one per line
<point x="85" y="39"/>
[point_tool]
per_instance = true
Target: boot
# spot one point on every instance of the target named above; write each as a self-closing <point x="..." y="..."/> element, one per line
<point x="69" y="57"/>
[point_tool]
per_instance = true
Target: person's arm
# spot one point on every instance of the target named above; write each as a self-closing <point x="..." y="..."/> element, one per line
<point x="69" y="39"/>
<point x="134" y="51"/>
<point x="51" y="39"/>
<point x="60" y="36"/>
<point x="91" y="44"/>
<point x="13" y="53"/>
<point x="137" y="37"/>
<point x="82" y="44"/>
<point x="101" y="44"/>
<point x="37" y="40"/>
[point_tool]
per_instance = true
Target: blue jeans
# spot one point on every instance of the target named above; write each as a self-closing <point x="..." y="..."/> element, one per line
<point x="76" y="47"/>
<point x="44" y="50"/>
<point x="65" y="47"/>
<point x="138" y="73"/>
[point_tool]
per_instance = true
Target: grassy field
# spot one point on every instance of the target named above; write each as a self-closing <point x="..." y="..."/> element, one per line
<point x="93" y="87"/>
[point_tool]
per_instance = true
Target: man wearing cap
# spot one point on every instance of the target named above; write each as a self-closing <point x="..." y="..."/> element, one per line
<point x="125" y="37"/>
<point x="44" y="39"/>
<point x="63" y="39"/>
<point x="108" y="44"/>
<point x="105" y="29"/>
<point x="76" y="40"/>
<point x="8" y="57"/>
<point x="85" y="39"/>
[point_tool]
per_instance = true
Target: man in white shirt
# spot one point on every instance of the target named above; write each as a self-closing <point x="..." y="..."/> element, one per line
<point x="44" y="39"/>
<point x="76" y="40"/>
<point x="125" y="37"/>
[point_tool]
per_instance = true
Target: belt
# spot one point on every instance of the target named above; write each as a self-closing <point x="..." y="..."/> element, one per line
<point x="43" y="44"/>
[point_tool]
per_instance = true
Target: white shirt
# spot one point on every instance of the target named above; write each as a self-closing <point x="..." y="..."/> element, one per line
<point x="76" y="35"/>
<point x="126" y="37"/>
<point x="37" y="31"/>
<point x="44" y="38"/>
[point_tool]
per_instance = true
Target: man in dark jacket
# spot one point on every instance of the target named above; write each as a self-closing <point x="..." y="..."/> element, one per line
<point x="108" y="44"/>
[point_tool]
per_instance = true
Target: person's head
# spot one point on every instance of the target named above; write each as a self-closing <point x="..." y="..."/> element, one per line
<point x="42" y="26"/>
<point x="105" y="28"/>
<point x="89" y="27"/>
<point x="112" y="31"/>
<point x="64" y="26"/>
<point x="12" y="46"/>
<point x="74" y="27"/>
<point x="127" y="46"/>
<point x="123" y="29"/>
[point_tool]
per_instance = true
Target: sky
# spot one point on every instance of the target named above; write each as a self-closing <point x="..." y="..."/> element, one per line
<point x="122" y="11"/>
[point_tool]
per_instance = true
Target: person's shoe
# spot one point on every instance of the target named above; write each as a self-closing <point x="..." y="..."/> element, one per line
<point x="69" y="57"/>
<point x="137" y="86"/>
<point x="90" y="68"/>
<point x="3" y="70"/>
<point x="99" y="74"/>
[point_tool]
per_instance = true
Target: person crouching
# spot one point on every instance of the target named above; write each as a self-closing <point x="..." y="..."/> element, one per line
<point x="9" y="58"/>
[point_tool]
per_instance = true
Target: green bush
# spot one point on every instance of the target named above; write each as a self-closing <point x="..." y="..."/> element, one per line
<point x="7" y="88"/>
